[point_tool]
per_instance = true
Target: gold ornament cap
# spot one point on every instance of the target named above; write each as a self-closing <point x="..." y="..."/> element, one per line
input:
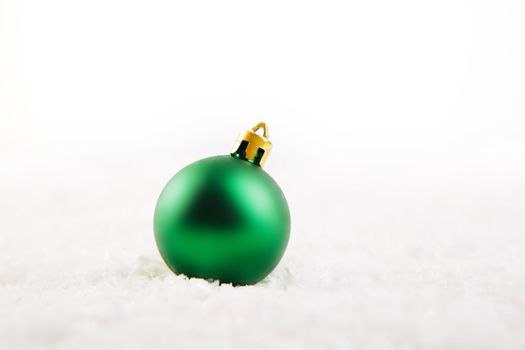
<point x="253" y="147"/>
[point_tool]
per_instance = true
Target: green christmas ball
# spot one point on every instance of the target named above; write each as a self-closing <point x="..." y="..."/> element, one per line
<point x="222" y="218"/>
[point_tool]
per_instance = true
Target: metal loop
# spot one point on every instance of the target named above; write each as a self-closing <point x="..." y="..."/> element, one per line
<point x="263" y="126"/>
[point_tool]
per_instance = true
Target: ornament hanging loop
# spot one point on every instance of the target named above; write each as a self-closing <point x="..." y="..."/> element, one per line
<point x="263" y="126"/>
<point x="253" y="147"/>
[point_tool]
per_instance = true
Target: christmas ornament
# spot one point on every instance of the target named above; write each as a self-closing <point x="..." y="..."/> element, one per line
<point x="224" y="218"/>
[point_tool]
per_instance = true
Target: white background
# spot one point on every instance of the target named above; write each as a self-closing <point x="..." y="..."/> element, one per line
<point x="399" y="140"/>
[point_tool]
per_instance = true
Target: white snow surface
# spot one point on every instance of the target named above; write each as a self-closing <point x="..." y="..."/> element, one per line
<point x="419" y="252"/>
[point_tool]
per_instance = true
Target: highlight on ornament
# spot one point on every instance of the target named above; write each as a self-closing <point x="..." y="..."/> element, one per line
<point x="224" y="218"/>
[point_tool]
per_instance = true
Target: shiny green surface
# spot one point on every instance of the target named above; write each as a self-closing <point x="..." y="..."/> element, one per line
<point x="224" y="219"/>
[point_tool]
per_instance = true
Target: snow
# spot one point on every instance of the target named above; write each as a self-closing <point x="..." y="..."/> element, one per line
<point x="420" y="252"/>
